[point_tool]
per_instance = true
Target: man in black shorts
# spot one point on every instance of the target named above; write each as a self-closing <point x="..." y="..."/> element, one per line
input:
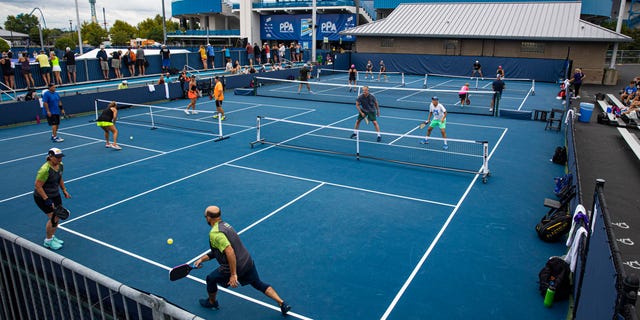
<point x="304" y="76"/>
<point x="236" y="265"/>
<point x="497" y="86"/>
<point x="367" y="106"/>
<point x="52" y="109"/>
<point x="477" y="68"/>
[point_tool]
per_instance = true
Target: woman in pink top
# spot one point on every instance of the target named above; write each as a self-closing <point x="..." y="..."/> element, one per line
<point x="464" y="95"/>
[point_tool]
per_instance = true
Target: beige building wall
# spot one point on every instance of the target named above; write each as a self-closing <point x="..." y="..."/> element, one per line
<point x="590" y="56"/>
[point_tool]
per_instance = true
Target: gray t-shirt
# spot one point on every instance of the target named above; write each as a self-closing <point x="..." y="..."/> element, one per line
<point x="367" y="103"/>
<point x="140" y="54"/>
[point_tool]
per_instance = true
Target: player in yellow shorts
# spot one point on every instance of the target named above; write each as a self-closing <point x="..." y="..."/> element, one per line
<point x="107" y="122"/>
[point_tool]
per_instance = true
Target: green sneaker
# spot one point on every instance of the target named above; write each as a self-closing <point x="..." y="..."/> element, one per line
<point x="53" y="245"/>
<point x="56" y="239"/>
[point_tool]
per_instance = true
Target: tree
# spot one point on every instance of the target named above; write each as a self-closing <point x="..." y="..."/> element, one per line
<point x="151" y="28"/>
<point x="122" y="32"/>
<point x="64" y="42"/>
<point x="93" y="33"/>
<point x="4" y="45"/>
<point x="23" y="23"/>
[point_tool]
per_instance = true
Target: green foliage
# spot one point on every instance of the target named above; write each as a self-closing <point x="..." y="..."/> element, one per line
<point x="93" y="34"/>
<point x="4" y="45"/>
<point x="120" y="38"/>
<point x="123" y="27"/>
<point x="152" y="28"/>
<point x="64" y="42"/>
<point x="631" y="32"/>
<point x="23" y="23"/>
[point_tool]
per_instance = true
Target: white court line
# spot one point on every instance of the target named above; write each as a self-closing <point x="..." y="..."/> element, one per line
<point x="456" y="123"/>
<point x="126" y="145"/>
<point x="524" y="100"/>
<point x="44" y="154"/>
<point x="45" y="132"/>
<point x="435" y="240"/>
<point x="159" y="265"/>
<point x="342" y="186"/>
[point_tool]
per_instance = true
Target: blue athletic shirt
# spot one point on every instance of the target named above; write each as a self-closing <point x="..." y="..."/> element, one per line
<point x="53" y="100"/>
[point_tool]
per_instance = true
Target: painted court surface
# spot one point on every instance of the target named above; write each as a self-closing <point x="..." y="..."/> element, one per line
<point x="338" y="238"/>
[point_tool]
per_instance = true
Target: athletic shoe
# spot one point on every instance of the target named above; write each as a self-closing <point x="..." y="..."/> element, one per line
<point x="310" y="91"/>
<point x="108" y="145"/>
<point x="284" y="308"/>
<point x="53" y="245"/>
<point x="577" y="97"/>
<point x="194" y="112"/>
<point x="116" y="147"/>
<point x="445" y="147"/>
<point x="53" y="139"/>
<point x="205" y="303"/>
<point x="379" y="139"/>
<point x="58" y="139"/>
<point x="54" y="238"/>
<point x="425" y="141"/>
<point x="186" y="111"/>
<point x="353" y="136"/>
<point x="215" y="116"/>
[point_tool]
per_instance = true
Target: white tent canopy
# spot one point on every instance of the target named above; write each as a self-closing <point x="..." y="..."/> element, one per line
<point x="148" y="52"/>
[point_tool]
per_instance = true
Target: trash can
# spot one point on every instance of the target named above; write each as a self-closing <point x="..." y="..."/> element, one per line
<point x="585" y="111"/>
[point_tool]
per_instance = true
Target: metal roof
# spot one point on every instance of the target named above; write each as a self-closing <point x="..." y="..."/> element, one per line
<point x="550" y="21"/>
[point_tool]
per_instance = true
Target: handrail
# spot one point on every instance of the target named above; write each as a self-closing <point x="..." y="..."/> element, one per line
<point x="5" y="92"/>
<point x="192" y="69"/>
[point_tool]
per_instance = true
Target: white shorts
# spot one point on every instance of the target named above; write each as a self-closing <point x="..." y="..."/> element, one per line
<point x="56" y="68"/>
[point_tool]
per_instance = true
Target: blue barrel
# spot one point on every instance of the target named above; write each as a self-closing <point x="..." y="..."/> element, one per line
<point x="585" y="111"/>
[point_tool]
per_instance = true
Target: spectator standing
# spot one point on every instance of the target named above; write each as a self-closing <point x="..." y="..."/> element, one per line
<point x="257" y="53"/>
<point x="116" y="59"/>
<point x="227" y="53"/>
<point x="104" y="62"/>
<point x="292" y="52"/>
<point x="70" y="60"/>
<point x="140" y="61"/>
<point x="576" y="80"/>
<point x="52" y="108"/>
<point x="281" y="50"/>
<point x="267" y="52"/>
<point x="8" y="69"/>
<point x="263" y="54"/>
<point x="46" y="194"/>
<point x="131" y="58"/>
<point x="25" y="67"/>
<point x="55" y="67"/>
<point x="45" y="67"/>
<point x="211" y="56"/>
<point x="166" y="58"/>
<point x="203" y="56"/>
<point x="250" y="56"/>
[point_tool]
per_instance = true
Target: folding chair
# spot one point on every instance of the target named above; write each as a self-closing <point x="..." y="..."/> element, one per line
<point x="554" y="120"/>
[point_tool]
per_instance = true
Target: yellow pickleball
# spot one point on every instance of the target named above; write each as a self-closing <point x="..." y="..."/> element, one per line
<point x="169" y="241"/>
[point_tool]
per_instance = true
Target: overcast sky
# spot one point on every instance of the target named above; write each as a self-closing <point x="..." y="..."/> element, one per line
<point x="57" y="13"/>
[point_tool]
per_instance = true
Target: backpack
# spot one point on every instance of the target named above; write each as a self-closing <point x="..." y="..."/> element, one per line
<point x="562" y="184"/>
<point x="553" y="228"/>
<point x="132" y="56"/>
<point x="560" y="155"/>
<point x="558" y="271"/>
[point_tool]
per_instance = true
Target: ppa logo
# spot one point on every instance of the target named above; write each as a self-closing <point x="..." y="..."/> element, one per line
<point x="286" y="27"/>
<point x="328" y="27"/>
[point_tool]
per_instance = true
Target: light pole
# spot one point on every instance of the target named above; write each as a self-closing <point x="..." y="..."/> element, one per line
<point x="164" y="26"/>
<point x="40" y="25"/>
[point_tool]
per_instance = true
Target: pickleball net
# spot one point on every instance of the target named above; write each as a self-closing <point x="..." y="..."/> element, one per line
<point x="387" y="96"/>
<point x="165" y="118"/>
<point x="333" y="75"/>
<point x="446" y="81"/>
<point x="465" y="156"/>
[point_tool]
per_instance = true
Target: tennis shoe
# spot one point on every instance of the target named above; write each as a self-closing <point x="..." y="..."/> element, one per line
<point x="186" y="111"/>
<point x="58" y="139"/>
<point x="108" y="145"/>
<point x="379" y="138"/>
<point x="445" y="147"/>
<point x="53" y="139"/>
<point x="353" y="136"/>
<point x="215" y="116"/>
<point x="53" y="245"/>
<point x="424" y="141"/>
<point x="284" y="308"/>
<point x="207" y="304"/>
<point x="56" y="239"/>
<point x="116" y="147"/>
<point x="223" y="118"/>
<point x="194" y="112"/>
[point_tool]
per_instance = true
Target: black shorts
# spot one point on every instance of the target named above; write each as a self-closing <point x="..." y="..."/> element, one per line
<point x="57" y="200"/>
<point x="9" y="73"/>
<point x="54" y="120"/>
<point x="218" y="103"/>
<point x="140" y="62"/>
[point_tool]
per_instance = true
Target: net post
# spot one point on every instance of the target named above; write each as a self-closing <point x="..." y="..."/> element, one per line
<point x="318" y="74"/>
<point x="95" y="104"/>
<point x="258" y="138"/>
<point x="485" y="161"/>
<point x="424" y="85"/>
<point x="533" y="87"/>
<point x="402" y="81"/>
<point x="221" y="136"/>
<point x="477" y="80"/>
<point x="357" y="144"/>
<point x="153" y="124"/>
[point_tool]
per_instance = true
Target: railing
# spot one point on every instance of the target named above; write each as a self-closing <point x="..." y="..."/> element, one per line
<point x="36" y="283"/>
<point x="624" y="57"/>
<point x="7" y="91"/>
<point x="192" y="69"/>
<point x="369" y="8"/>
<point x="232" y="32"/>
<point x="303" y="3"/>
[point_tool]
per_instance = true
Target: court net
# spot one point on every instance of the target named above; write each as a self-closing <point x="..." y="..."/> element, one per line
<point x="466" y="156"/>
<point x="387" y="96"/>
<point x="332" y="75"/>
<point x="165" y="118"/>
<point x="445" y="81"/>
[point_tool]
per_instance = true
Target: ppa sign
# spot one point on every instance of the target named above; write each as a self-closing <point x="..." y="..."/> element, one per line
<point x="286" y="27"/>
<point x="328" y="27"/>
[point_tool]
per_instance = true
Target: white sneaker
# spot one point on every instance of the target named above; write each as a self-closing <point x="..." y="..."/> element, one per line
<point x="58" y="139"/>
<point x="194" y="112"/>
<point x="186" y="111"/>
<point x="108" y="145"/>
<point x="116" y="147"/>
